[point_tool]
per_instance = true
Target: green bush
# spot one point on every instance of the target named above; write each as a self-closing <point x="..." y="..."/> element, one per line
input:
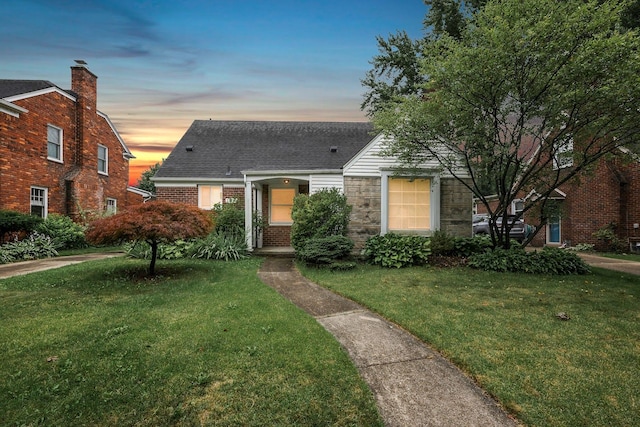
<point x="325" y="250"/>
<point x="64" y="233"/>
<point x="222" y="246"/>
<point x="228" y="218"/>
<point x="35" y="246"/>
<point x="395" y="250"/>
<point x="547" y="261"/>
<point x="467" y="246"/>
<point x="442" y="243"/>
<point x="610" y="241"/>
<point x="11" y="221"/>
<point x="322" y="214"/>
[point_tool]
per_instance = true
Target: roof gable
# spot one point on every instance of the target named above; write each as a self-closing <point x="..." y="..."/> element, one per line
<point x="225" y="149"/>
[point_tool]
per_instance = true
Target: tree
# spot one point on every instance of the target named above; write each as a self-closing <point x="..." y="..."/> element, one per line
<point x="396" y="69"/>
<point x="145" y="183"/>
<point x="154" y="222"/>
<point x="528" y="82"/>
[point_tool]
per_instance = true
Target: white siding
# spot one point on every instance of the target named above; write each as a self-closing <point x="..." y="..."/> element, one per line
<point x="318" y="182"/>
<point x="369" y="162"/>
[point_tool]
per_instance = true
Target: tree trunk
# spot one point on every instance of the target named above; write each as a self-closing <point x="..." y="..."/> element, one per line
<point x="154" y="254"/>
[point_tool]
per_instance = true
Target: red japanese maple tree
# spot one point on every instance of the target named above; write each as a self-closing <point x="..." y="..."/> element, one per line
<point x="154" y="222"/>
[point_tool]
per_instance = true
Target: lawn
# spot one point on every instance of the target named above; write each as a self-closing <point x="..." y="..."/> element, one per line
<point x="502" y="329"/>
<point x="202" y="343"/>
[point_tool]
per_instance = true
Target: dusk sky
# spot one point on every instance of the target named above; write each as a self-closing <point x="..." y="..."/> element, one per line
<point x="162" y="64"/>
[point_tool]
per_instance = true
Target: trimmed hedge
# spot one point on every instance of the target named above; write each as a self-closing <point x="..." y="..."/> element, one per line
<point x="547" y="261"/>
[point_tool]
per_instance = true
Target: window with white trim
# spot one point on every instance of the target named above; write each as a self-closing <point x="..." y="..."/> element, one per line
<point x="103" y="160"/>
<point x="281" y="204"/>
<point x="38" y="204"/>
<point x="409" y="204"/>
<point x="209" y="196"/>
<point x="517" y="206"/>
<point x="112" y="206"/>
<point x="54" y="143"/>
<point x="563" y="153"/>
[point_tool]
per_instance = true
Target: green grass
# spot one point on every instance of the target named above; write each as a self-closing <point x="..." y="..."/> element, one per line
<point x="502" y="330"/>
<point x="202" y="343"/>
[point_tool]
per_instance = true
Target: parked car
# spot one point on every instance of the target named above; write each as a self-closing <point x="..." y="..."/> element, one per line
<point x="519" y="231"/>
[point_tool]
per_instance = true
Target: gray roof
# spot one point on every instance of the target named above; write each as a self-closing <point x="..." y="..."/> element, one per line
<point x="18" y="87"/>
<point x="222" y="149"/>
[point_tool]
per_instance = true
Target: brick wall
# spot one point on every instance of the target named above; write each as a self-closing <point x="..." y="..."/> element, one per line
<point x="74" y="186"/>
<point x="188" y="195"/>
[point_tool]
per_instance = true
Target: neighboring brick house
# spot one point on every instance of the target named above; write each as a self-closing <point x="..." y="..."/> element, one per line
<point x="58" y="153"/>
<point x="607" y="196"/>
<point x="265" y="164"/>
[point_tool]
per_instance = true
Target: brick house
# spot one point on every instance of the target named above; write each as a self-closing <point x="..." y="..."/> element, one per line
<point x="606" y="196"/>
<point x="58" y="153"/>
<point x="265" y="164"/>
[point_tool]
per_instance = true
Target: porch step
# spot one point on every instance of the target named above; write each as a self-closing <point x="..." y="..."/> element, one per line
<point x="275" y="251"/>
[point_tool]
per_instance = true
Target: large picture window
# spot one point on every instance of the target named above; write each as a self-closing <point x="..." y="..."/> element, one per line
<point x="409" y="204"/>
<point x="54" y="143"/>
<point x="209" y="196"/>
<point x="281" y="205"/>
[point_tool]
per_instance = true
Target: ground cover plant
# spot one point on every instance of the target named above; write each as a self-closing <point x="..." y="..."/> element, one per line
<point x="505" y="330"/>
<point x="200" y="343"/>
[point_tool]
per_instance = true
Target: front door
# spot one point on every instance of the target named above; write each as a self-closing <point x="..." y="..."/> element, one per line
<point x="553" y="231"/>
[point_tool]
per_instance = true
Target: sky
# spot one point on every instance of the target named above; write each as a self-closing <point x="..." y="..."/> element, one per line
<point x="161" y="64"/>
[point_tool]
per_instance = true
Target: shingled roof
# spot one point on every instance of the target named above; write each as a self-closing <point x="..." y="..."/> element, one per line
<point x="10" y="88"/>
<point x="222" y="149"/>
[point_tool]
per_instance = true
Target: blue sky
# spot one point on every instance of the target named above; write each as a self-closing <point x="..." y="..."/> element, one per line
<point x="162" y="64"/>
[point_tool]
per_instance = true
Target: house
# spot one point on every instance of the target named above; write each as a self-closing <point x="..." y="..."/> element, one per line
<point x="58" y="152"/>
<point x="605" y="197"/>
<point x="266" y="164"/>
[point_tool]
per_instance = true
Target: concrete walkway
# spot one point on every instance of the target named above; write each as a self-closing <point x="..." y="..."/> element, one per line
<point x="413" y="385"/>
<point x="25" y="267"/>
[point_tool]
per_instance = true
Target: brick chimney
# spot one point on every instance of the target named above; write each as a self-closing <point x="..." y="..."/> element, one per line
<point x="85" y="85"/>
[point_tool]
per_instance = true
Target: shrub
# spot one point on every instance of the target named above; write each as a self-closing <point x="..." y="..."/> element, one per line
<point x="395" y="250"/>
<point x="11" y="221"/>
<point x="322" y="214"/>
<point x="64" y="233"/>
<point x="325" y="250"/>
<point x="442" y="243"/>
<point x="467" y="246"/>
<point x="222" y="246"/>
<point x="35" y="246"/>
<point x="548" y="261"/>
<point x="610" y="241"/>
<point x="228" y="218"/>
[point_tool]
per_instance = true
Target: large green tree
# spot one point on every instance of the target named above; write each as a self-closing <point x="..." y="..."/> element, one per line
<point x="525" y="83"/>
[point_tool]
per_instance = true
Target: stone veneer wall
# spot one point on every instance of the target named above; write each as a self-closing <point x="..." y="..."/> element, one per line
<point x="456" y="208"/>
<point x="364" y="195"/>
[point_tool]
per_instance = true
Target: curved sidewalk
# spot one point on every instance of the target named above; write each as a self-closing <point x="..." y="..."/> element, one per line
<point x="25" y="267"/>
<point x="413" y="385"/>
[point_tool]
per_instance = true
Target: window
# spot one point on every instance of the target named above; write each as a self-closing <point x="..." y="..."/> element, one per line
<point x="563" y="154"/>
<point x="409" y="204"/>
<point x="39" y="202"/>
<point x="54" y="143"/>
<point x="112" y="206"/>
<point x="281" y="205"/>
<point x="209" y="196"/>
<point x="517" y="206"/>
<point x="103" y="159"/>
